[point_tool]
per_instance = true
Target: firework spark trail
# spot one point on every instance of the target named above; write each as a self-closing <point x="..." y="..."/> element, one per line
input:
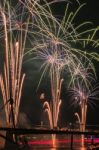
<point x="55" y="85"/>
<point x="16" y="87"/>
<point x="54" y="107"/>
<point x="5" y="80"/>
<point x="61" y="33"/>
<point x="47" y="108"/>
<point x="12" y="79"/>
<point x="84" y="72"/>
<point x="17" y="80"/>
<point x="4" y="97"/>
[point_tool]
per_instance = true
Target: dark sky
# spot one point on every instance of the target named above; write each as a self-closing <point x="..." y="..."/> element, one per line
<point x="89" y="12"/>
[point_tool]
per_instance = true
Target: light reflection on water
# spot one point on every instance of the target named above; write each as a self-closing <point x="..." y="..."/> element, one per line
<point x="45" y="142"/>
<point x="62" y="142"/>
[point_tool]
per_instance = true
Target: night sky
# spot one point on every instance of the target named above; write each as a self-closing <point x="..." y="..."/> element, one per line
<point x="31" y="106"/>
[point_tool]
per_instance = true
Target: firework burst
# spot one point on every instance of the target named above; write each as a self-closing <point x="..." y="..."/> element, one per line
<point x="82" y="96"/>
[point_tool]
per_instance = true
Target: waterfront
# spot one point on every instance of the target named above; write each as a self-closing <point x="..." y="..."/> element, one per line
<point x="62" y="142"/>
<point x="46" y="142"/>
<point x="43" y="139"/>
<point x="48" y="139"/>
